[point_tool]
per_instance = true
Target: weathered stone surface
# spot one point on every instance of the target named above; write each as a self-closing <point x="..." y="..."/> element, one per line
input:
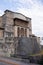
<point x="16" y="34"/>
<point x="27" y="46"/>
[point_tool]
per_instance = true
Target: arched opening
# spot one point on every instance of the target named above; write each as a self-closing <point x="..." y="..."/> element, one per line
<point x="25" y="32"/>
<point x="22" y="32"/>
<point x="18" y="31"/>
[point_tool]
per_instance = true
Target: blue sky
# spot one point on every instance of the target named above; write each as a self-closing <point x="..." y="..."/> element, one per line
<point x="30" y="8"/>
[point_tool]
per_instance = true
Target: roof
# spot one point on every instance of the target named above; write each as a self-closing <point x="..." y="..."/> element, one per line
<point x="19" y="15"/>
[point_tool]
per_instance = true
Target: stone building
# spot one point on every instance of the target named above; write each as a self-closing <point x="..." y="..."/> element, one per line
<point x="13" y="27"/>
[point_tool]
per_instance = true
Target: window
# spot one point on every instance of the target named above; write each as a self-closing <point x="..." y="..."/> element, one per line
<point x="22" y="32"/>
<point x="9" y="34"/>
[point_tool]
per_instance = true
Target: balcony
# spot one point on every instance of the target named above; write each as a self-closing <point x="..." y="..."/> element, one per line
<point x="9" y="40"/>
<point x="6" y="36"/>
<point x="9" y="35"/>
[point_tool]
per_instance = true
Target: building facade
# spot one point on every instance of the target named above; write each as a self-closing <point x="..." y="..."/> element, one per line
<point x="14" y="25"/>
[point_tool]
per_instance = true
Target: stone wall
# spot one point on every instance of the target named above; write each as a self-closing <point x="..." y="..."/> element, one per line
<point x="21" y="46"/>
<point x="0" y="21"/>
<point x="21" y="23"/>
<point x="27" y="46"/>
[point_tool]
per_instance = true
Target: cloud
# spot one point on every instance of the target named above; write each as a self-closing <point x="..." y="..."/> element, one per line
<point x="26" y="1"/>
<point x="30" y="8"/>
<point x="10" y="0"/>
<point x="35" y="12"/>
<point x="1" y="12"/>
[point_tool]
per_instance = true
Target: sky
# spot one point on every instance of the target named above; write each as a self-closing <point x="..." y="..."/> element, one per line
<point x="30" y="8"/>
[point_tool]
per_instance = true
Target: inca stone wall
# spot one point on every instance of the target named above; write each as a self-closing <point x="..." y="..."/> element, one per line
<point x="27" y="46"/>
<point x="21" y="46"/>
